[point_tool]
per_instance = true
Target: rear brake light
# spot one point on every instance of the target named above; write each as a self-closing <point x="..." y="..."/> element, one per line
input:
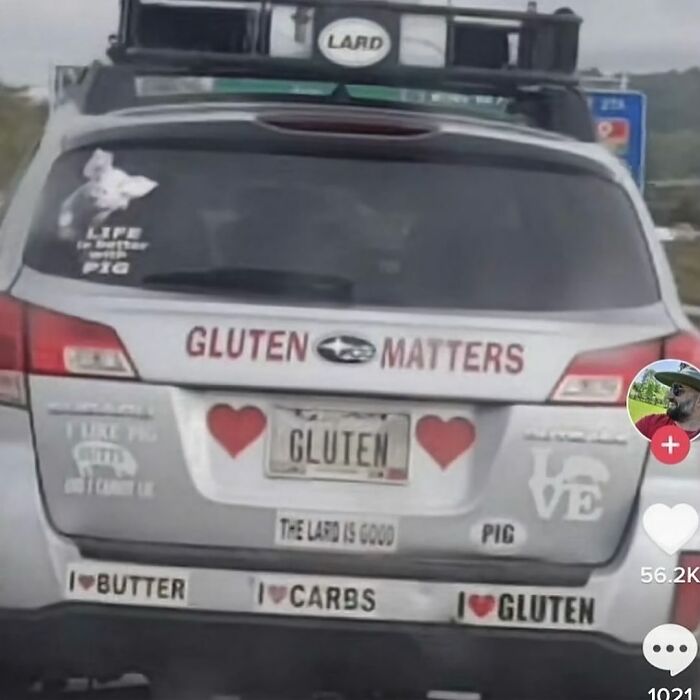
<point x="353" y="128"/>
<point x="685" y="347"/>
<point x="686" y="606"/>
<point x="604" y="376"/>
<point x="60" y="345"/>
<point x="12" y="386"/>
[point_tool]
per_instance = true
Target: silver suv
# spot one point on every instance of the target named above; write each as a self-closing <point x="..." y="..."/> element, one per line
<point x="326" y="389"/>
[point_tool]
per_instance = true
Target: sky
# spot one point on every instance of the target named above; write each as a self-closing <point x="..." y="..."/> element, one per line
<point x="619" y="35"/>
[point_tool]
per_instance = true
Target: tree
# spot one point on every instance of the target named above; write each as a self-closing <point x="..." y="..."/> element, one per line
<point x="648" y="377"/>
<point x="660" y="394"/>
<point x="649" y="392"/>
<point x="21" y="123"/>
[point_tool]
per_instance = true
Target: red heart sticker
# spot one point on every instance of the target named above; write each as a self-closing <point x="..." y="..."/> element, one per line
<point x="277" y="593"/>
<point x="236" y="429"/>
<point x="482" y="605"/>
<point x="86" y="582"/>
<point x="445" y="440"/>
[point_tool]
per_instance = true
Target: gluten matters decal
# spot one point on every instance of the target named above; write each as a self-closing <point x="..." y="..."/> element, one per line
<point x="440" y="355"/>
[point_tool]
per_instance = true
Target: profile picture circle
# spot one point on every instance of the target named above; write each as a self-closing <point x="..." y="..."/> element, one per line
<point x="666" y="395"/>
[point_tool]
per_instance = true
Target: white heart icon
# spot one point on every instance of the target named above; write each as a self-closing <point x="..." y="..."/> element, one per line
<point x="671" y="528"/>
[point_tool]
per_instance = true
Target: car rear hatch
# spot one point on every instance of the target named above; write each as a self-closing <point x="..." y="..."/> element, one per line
<point x="380" y="345"/>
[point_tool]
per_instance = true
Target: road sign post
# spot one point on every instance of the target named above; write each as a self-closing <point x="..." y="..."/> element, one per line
<point x="620" y="117"/>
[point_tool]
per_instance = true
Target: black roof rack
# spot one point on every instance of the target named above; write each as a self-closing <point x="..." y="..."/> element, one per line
<point x="530" y="55"/>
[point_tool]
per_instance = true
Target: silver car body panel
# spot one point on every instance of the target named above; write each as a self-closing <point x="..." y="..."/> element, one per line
<point x="177" y="485"/>
<point x="627" y="609"/>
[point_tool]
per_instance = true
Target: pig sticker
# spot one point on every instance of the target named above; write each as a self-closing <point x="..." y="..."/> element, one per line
<point x="94" y="456"/>
<point x="107" y="191"/>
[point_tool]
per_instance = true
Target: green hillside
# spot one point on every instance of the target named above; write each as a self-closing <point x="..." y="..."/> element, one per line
<point x="674" y="100"/>
<point x="674" y="123"/>
<point x="21" y="122"/>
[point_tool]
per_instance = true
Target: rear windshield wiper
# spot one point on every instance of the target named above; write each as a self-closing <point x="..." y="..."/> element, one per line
<point x="298" y="285"/>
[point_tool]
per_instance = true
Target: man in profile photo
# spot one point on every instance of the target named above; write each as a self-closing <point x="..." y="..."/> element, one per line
<point x="683" y="401"/>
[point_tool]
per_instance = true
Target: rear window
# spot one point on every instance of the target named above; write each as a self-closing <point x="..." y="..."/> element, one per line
<point x="273" y="228"/>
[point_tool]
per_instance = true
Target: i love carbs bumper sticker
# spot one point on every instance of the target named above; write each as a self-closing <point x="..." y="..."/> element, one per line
<point x="477" y="605"/>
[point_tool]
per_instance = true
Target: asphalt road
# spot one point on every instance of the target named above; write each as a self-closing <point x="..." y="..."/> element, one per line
<point x="135" y="688"/>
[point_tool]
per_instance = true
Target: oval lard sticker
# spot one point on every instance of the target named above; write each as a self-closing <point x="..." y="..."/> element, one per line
<point x="354" y="42"/>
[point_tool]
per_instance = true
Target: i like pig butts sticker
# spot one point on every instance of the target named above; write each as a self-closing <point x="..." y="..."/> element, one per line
<point x="124" y="584"/>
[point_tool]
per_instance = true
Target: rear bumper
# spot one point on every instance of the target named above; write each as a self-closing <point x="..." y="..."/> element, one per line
<point x="243" y="652"/>
<point x="47" y="636"/>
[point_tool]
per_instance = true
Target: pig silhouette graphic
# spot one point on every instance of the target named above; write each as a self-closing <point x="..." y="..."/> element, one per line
<point x="92" y="458"/>
<point x="108" y="190"/>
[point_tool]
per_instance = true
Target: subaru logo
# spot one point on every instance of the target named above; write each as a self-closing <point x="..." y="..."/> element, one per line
<point x="346" y="349"/>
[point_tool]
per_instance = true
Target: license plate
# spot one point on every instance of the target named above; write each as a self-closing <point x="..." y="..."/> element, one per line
<point x="339" y="445"/>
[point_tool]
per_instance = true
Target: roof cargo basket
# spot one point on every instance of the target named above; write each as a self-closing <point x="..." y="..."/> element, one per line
<point x="362" y="42"/>
<point x="528" y="45"/>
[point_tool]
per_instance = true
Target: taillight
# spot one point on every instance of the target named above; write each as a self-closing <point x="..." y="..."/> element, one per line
<point x="686" y="606"/>
<point x="604" y="376"/>
<point x="685" y="347"/>
<point x="37" y="341"/>
<point x="354" y="128"/>
<point x="65" y="345"/>
<point x="12" y="383"/>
